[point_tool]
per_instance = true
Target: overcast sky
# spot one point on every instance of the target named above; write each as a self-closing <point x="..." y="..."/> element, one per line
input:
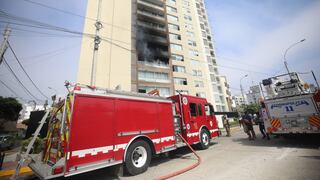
<point x="250" y="37"/>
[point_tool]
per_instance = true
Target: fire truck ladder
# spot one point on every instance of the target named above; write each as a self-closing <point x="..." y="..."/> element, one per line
<point x="23" y="157"/>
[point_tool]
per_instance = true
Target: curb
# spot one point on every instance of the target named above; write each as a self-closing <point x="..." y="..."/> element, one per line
<point x="10" y="172"/>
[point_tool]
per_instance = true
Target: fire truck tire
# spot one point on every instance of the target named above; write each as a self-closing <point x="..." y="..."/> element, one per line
<point x="138" y="157"/>
<point x="204" y="139"/>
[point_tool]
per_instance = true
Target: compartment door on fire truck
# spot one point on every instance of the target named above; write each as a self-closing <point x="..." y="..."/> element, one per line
<point x="91" y="134"/>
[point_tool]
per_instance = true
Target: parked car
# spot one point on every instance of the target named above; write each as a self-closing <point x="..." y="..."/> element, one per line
<point x="7" y="141"/>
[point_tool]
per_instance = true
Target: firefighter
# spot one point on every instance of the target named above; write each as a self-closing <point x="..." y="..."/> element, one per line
<point x="247" y="121"/>
<point x="226" y="124"/>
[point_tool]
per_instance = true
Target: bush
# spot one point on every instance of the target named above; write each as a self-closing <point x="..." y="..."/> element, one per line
<point x="37" y="146"/>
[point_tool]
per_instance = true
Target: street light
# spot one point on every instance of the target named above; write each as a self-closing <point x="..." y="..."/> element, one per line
<point x="241" y="86"/>
<point x="284" y="56"/>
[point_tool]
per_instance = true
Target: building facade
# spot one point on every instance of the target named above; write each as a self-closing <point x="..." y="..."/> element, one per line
<point x="254" y="95"/>
<point x="153" y="44"/>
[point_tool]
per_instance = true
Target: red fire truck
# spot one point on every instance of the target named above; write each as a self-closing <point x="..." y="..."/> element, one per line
<point x="95" y="128"/>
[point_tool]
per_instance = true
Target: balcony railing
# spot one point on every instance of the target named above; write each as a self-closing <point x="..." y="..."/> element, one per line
<point x="157" y="64"/>
<point x="150" y="15"/>
<point x="157" y="4"/>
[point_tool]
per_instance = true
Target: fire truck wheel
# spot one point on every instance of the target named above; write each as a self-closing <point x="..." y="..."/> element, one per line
<point x="204" y="139"/>
<point x="138" y="157"/>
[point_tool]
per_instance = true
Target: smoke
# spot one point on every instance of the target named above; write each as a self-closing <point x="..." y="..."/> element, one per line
<point x="145" y="53"/>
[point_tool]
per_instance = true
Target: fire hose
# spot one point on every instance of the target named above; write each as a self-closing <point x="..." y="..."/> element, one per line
<point x="167" y="176"/>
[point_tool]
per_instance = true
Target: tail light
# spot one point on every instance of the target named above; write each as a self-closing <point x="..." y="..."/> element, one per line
<point x="57" y="170"/>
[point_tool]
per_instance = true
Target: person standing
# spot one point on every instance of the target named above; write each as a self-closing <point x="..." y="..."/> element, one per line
<point x="226" y="124"/>
<point x="263" y="117"/>
<point x="247" y="119"/>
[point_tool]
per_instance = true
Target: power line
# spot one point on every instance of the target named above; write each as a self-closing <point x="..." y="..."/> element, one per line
<point x="9" y="88"/>
<point x="21" y="84"/>
<point x="14" y="54"/>
<point x="74" y="14"/>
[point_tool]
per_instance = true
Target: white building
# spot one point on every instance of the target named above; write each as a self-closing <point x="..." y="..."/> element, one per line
<point x="254" y="95"/>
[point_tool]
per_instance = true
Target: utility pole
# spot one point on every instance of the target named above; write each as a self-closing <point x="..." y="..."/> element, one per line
<point x="4" y="44"/>
<point x="97" y="41"/>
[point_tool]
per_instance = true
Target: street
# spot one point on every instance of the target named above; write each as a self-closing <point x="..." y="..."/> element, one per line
<point x="236" y="158"/>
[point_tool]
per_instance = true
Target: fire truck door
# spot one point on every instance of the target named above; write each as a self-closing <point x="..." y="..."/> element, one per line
<point x="197" y="119"/>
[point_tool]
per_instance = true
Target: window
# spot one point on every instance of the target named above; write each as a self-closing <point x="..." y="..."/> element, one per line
<point x="197" y="73"/>
<point x="171" y="9"/>
<point x="193" y="109"/>
<point x="174" y="36"/>
<point x="198" y="84"/>
<point x="201" y="94"/>
<point x="172" y="18"/>
<point x="177" y="57"/>
<point x="186" y="92"/>
<point x="153" y="76"/>
<point x="186" y="3"/>
<point x="207" y="109"/>
<point x="200" y="110"/>
<point x="193" y="52"/>
<point x="189" y="27"/>
<point x="187" y="17"/>
<point x="178" y="68"/>
<point x="164" y="91"/>
<point x="176" y="46"/>
<point x="173" y="26"/>
<point x="213" y="78"/>
<point x="190" y="34"/>
<point x="180" y="81"/>
<point x="172" y="1"/>
<point x="194" y="62"/>
<point x="192" y="43"/>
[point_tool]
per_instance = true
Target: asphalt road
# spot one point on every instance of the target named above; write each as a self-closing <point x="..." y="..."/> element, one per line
<point x="235" y="158"/>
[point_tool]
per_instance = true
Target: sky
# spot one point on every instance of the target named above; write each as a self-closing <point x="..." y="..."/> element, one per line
<point x="250" y="37"/>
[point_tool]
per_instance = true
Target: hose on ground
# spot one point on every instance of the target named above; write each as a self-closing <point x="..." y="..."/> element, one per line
<point x="167" y="176"/>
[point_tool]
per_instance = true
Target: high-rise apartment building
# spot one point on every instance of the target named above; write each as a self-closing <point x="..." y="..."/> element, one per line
<point x="148" y="44"/>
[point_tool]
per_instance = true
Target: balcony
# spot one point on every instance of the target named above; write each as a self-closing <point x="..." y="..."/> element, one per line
<point x="151" y="16"/>
<point x="154" y="4"/>
<point x="157" y="39"/>
<point x="152" y="26"/>
<point x="157" y="64"/>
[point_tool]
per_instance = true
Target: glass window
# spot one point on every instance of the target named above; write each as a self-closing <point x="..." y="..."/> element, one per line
<point x="193" y="52"/>
<point x="164" y="91"/>
<point x="171" y="9"/>
<point x="178" y="68"/>
<point x="190" y="34"/>
<point x="186" y="92"/>
<point x="177" y="57"/>
<point x="196" y="73"/>
<point x="173" y="18"/>
<point x="192" y="43"/>
<point x="200" y="110"/>
<point x="194" y="62"/>
<point x="180" y="81"/>
<point x="176" y="46"/>
<point x="153" y="76"/>
<point x="174" y="36"/>
<point x="174" y="26"/>
<point x="198" y="84"/>
<point x="187" y="17"/>
<point x="172" y="1"/>
<point x="193" y="109"/>
<point x="207" y="109"/>
<point x="201" y="94"/>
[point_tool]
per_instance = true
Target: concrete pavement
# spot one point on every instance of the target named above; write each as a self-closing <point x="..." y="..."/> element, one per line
<point x="235" y="157"/>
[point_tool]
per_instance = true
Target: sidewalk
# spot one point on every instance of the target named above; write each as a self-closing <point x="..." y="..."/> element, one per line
<point x="9" y="165"/>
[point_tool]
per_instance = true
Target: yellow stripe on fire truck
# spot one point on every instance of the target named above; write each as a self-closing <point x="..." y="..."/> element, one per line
<point x="315" y="121"/>
<point x="275" y="123"/>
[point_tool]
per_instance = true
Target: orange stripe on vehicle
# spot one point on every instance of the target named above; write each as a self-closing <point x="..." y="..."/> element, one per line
<point x="314" y="121"/>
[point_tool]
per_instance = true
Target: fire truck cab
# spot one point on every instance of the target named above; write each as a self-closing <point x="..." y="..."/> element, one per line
<point x="95" y="128"/>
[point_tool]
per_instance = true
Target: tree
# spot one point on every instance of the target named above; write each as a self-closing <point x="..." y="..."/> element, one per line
<point x="9" y="110"/>
<point x="252" y="108"/>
